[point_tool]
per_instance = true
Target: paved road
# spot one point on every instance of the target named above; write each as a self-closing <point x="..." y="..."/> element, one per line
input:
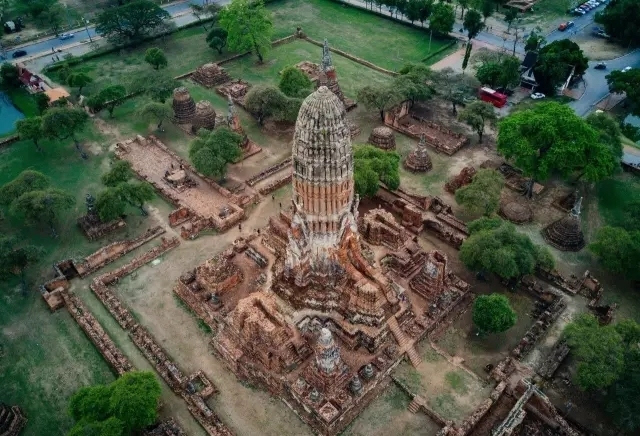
<point x="596" y="88"/>
<point x="47" y="45"/>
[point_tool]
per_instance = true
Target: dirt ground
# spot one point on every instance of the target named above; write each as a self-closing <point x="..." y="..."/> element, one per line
<point x="599" y="49"/>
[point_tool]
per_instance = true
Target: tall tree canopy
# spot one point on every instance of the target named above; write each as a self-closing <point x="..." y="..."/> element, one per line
<point x="27" y="181"/>
<point x="132" y="22"/>
<point x="295" y="83"/>
<point x="550" y="138"/>
<point x="30" y="129"/>
<point x="499" y="71"/>
<point x="124" y="407"/>
<point x="493" y="313"/>
<point x="158" y="112"/>
<point x="618" y="250"/>
<point x="477" y="114"/>
<point x="555" y="62"/>
<point x="372" y="165"/>
<point x="453" y="86"/>
<point x="380" y="98"/>
<point x="473" y="23"/>
<point x="79" y="80"/>
<point x="211" y="151"/>
<point x="15" y="258"/>
<point x="268" y="102"/>
<point x="495" y="246"/>
<point x="482" y="195"/>
<point x="629" y="83"/>
<point x="442" y="18"/>
<point x="155" y="57"/>
<point x="63" y="122"/>
<point x="217" y="39"/>
<point x="249" y="27"/>
<point x="620" y="19"/>
<point x="109" y="98"/>
<point x="43" y="206"/>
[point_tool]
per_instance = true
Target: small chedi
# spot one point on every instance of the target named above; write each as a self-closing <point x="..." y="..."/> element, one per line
<point x="302" y="307"/>
<point x="516" y="212"/>
<point x="383" y="137"/>
<point x="204" y="118"/>
<point x="419" y="160"/>
<point x="566" y="233"/>
<point x="210" y="75"/>
<point x="184" y="108"/>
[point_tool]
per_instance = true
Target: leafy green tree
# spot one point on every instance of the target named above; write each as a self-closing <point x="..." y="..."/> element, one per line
<point x="493" y="313"/>
<point x="42" y="101"/>
<point x="381" y="98"/>
<point x="15" y="259"/>
<point x="27" y="181"/>
<point x="412" y="82"/>
<point x="110" y="205"/>
<point x="64" y="122"/>
<point x="620" y="19"/>
<point x="477" y="114"/>
<point x="211" y="151"/>
<point x="482" y="195"/>
<point x="622" y="404"/>
<point x="30" y="129"/>
<point x="158" y="86"/>
<point x="618" y="250"/>
<point x="464" y="4"/>
<point x="9" y="75"/>
<point x="158" y="112"/>
<point x="217" y="39"/>
<point x="295" y="83"/>
<point x="609" y="131"/>
<point x="156" y="58"/>
<point x="454" y="86"/>
<point x="442" y="19"/>
<point x="473" y="23"/>
<point x="486" y="8"/>
<point x="555" y="61"/>
<point x="495" y="246"/>
<point x="413" y="10"/>
<point x="132" y="22"/>
<point x="120" y="172"/>
<point x="599" y="351"/>
<point x="370" y="161"/>
<point x="511" y="15"/>
<point x="426" y="9"/>
<point x="266" y="102"/>
<point x="503" y="71"/>
<point x="535" y="41"/>
<point x="79" y="80"/>
<point x="129" y="405"/>
<point x="207" y="10"/>
<point x="249" y="27"/>
<point x="53" y="18"/>
<point x="550" y="138"/>
<point x="42" y="206"/>
<point x="629" y="83"/>
<point x="108" y="98"/>
<point x="136" y="194"/>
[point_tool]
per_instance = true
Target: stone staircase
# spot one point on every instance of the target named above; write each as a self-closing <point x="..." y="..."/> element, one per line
<point x="404" y="342"/>
<point x="414" y="406"/>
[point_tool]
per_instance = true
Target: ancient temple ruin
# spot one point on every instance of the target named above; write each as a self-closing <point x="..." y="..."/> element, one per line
<point x="302" y="307"/>
<point x="11" y="420"/>
<point x="210" y="75"/>
<point x="566" y="233"/>
<point x="204" y="118"/>
<point x="382" y="137"/>
<point x="419" y="160"/>
<point x="184" y="108"/>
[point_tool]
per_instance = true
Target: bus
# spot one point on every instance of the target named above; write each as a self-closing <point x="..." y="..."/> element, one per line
<point x="491" y="96"/>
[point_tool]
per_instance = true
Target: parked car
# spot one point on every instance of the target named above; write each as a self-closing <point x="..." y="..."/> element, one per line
<point x="66" y="36"/>
<point x="600" y="66"/>
<point x="562" y="27"/>
<point x="537" y="95"/>
<point x="19" y="53"/>
<point x="624" y="70"/>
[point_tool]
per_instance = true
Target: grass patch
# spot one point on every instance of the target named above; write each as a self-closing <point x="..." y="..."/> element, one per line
<point x="384" y="42"/>
<point x="23" y="101"/>
<point x="396" y="398"/>
<point x="614" y="196"/>
<point x="457" y="381"/>
<point x="444" y="405"/>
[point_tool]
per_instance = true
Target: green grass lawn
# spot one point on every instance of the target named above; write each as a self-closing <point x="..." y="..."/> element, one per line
<point x="351" y="75"/>
<point x="23" y="101"/>
<point x="383" y="42"/>
<point x="613" y="196"/>
<point x="373" y="38"/>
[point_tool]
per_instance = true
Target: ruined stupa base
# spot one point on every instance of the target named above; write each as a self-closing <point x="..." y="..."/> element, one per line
<point x="383" y="137"/>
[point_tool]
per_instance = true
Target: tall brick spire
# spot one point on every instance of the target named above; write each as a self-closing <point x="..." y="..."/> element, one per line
<point x="323" y="187"/>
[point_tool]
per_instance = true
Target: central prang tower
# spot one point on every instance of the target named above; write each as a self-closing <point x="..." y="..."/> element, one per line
<point x="325" y="206"/>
